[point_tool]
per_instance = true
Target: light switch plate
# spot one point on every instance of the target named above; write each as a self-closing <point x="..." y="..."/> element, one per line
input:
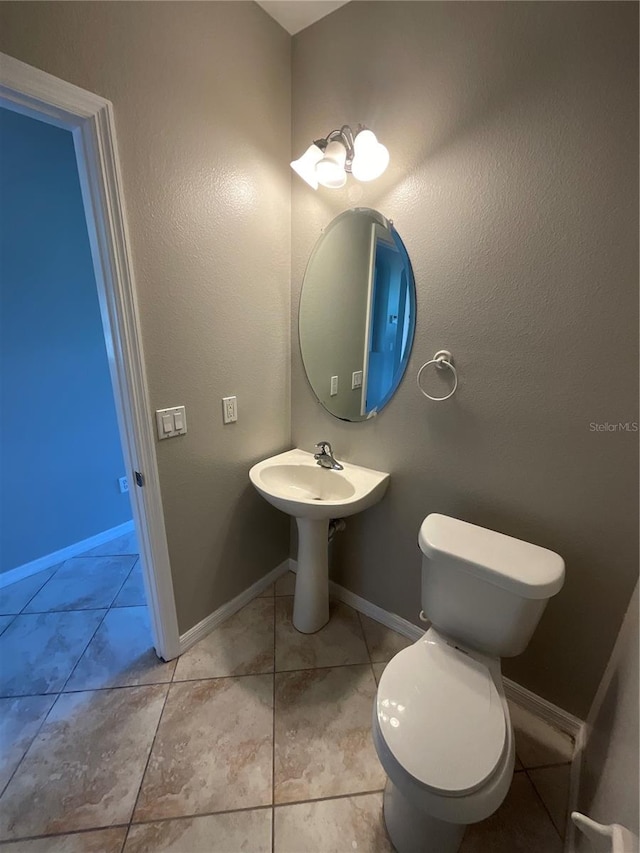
<point x="356" y="379"/>
<point x="171" y="422"/>
<point x="334" y="386"/>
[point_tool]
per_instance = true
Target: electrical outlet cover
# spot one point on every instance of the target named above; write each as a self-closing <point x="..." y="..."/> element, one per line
<point x="229" y="410"/>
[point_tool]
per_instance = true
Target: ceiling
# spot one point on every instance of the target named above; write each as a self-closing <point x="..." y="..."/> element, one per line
<point x="295" y="15"/>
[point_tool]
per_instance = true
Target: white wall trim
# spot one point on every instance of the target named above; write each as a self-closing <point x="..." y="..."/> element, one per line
<point x="218" y="616"/>
<point x="541" y="708"/>
<point x="574" y="788"/>
<point x="390" y="620"/>
<point x="49" y="560"/>
<point x="90" y="119"/>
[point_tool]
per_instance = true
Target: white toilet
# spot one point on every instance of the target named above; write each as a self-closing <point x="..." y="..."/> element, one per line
<point x="441" y="722"/>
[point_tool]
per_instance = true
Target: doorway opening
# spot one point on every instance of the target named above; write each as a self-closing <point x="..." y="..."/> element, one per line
<point x="81" y="446"/>
<point x="69" y="548"/>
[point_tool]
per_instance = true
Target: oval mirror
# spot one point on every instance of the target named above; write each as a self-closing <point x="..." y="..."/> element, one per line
<point x="357" y="314"/>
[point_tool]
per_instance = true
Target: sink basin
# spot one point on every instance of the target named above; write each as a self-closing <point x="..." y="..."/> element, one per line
<point x="294" y="483"/>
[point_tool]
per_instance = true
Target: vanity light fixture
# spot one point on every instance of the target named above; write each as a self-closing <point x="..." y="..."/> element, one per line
<point x="328" y="161"/>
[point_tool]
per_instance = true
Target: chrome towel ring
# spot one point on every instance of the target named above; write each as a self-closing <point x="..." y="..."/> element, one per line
<point x="441" y="359"/>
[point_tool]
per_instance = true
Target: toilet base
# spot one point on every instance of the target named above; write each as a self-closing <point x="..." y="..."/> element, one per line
<point x="413" y="831"/>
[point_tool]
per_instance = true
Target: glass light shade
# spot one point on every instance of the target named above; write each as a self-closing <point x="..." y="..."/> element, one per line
<point x="330" y="170"/>
<point x="305" y="166"/>
<point x="370" y="157"/>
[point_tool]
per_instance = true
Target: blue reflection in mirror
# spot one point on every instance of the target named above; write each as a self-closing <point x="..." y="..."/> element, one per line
<point x="392" y="322"/>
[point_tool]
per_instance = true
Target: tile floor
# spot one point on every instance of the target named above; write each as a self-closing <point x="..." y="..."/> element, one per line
<point x="257" y="739"/>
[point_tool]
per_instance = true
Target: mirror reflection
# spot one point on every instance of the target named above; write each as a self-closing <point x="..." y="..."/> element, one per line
<point x="357" y="314"/>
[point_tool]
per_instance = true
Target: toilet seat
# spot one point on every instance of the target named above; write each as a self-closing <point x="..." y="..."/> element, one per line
<point x="441" y="716"/>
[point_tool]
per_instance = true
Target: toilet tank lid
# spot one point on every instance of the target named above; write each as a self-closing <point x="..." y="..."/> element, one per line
<point x="524" y="569"/>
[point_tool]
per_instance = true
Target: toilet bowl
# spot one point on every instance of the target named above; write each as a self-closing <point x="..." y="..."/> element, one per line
<point x="441" y="723"/>
<point x="442" y="731"/>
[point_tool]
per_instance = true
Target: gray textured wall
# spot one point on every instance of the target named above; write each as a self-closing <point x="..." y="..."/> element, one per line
<point x="208" y="199"/>
<point x="513" y="181"/>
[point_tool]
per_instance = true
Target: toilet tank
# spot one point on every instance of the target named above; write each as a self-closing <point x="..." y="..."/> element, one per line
<point x="483" y="588"/>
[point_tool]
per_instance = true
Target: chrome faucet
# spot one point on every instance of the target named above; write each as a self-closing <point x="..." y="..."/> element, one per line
<point x="324" y="456"/>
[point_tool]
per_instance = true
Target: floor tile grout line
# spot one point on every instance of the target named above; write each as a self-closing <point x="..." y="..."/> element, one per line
<point x="133" y="823"/>
<point x="40" y="588"/>
<point x="106" y="687"/>
<point x="192" y="816"/>
<point x="83" y="652"/>
<point x="65" y="610"/>
<point x="272" y="806"/>
<point x="31" y="742"/>
<point x="82" y="831"/>
<point x="544" y="805"/>
<point x="546" y="766"/>
<point x="262" y="807"/>
<point x="10" y="622"/>
<point x="265" y="672"/>
<point x="364" y="635"/>
<point x="347" y="796"/>
<point x="101" y="556"/>
<point x="189" y="681"/>
<point x="177" y="660"/>
<point x="135" y="562"/>
<point x="146" y="766"/>
<point x="114" y="606"/>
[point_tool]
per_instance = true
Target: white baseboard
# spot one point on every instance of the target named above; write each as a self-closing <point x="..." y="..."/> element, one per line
<point x="541" y="708"/>
<point x="390" y="620"/>
<point x="190" y="637"/>
<point x="49" y="560"/>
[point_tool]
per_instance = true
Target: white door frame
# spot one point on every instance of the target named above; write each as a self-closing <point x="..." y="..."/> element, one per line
<point x="90" y="119"/>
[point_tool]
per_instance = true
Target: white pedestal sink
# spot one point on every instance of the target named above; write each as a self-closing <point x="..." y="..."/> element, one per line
<point x="294" y="483"/>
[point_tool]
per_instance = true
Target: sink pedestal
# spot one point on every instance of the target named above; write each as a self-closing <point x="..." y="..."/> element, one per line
<point x="311" y="600"/>
<point x="294" y="483"/>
